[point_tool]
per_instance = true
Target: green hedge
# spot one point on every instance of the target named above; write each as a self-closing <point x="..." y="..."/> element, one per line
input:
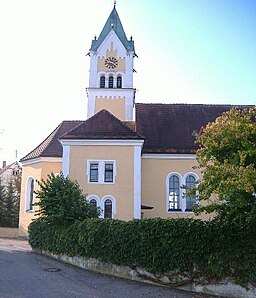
<point x="187" y="249"/>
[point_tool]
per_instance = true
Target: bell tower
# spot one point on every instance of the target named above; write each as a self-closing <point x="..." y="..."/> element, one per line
<point x="111" y="71"/>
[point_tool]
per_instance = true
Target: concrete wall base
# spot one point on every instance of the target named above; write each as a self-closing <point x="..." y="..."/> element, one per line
<point x="9" y="232"/>
<point x="225" y="288"/>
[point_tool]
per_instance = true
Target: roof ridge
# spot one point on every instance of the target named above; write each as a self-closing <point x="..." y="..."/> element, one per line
<point x="48" y="138"/>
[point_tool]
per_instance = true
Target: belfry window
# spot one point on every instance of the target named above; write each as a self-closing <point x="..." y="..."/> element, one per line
<point x="102" y="81"/>
<point x="119" y="82"/>
<point x="111" y="82"/>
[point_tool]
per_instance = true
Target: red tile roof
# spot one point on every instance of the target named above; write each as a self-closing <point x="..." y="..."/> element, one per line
<point x="102" y="125"/>
<point x="169" y="128"/>
<point x="51" y="147"/>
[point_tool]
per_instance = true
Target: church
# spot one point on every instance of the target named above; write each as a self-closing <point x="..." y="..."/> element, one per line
<point x="130" y="159"/>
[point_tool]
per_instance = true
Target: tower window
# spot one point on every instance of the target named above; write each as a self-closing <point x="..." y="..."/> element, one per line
<point x="119" y="82"/>
<point x="111" y="82"/>
<point x="102" y="82"/>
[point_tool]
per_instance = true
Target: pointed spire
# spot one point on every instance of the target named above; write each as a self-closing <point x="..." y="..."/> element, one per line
<point x="113" y="23"/>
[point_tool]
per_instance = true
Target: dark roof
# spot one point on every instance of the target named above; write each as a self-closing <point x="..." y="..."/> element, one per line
<point x="169" y="128"/>
<point x="102" y="125"/>
<point x="51" y="147"/>
<point x="113" y="22"/>
<point x="166" y="128"/>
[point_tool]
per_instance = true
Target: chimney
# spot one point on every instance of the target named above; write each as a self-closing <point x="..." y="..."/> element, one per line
<point x="4" y="163"/>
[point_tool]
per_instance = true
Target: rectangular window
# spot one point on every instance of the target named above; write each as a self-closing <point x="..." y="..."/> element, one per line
<point x="94" y="172"/>
<point x="108" y="176"/>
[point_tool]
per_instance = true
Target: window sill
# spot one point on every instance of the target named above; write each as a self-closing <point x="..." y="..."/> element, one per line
<point x="101" y="183"/>
<point x="174" y="210"/>
<point x="29" y="211"/>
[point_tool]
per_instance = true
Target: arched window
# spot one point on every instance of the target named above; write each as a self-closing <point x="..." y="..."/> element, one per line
<point x="119" y="82"/>
<point x="108" y="209"/>
<point x="93" y="202"/>
<point x="30" y="194"/>
<point x="102" y="82"/>
<point x="190" y="199"/>
<point x="174" y="193"/>
<point x="111" y="82"/>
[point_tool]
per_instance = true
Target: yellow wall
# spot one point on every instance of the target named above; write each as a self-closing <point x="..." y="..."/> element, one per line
<point x="115" y="106"/>
<point x="38" y="171"/>
<point x="122" y="190"/>
<point x="154" y="174"/>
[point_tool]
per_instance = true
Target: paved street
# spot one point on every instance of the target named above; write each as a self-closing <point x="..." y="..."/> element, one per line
<point x="26" y="274"/>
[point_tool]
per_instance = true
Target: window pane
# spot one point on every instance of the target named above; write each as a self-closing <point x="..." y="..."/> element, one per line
<point x="31" y="196"/>
<point x="119" y="82"/>
<point x="108" y="209"/>
<point x="174" y="192"/>
<point x="102" y="82"/>
<point x="190" y="200"/>
<point x="93" y="202"/>
<point x="94" y="172"/>
<point x="108" y="177"/>
<point x="111" y="82"/>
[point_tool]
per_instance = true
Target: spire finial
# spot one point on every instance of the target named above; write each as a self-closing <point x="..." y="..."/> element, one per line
<point x="114" y="3"/>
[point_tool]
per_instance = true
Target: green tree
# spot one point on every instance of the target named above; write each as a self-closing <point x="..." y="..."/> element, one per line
<point x="2" y="203"/>
<point x="61" y="201"/>
<point x="12" y="201"/>
<point x="227" y="158"/>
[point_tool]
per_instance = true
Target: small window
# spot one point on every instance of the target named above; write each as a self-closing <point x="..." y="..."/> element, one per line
<point x="94" y="172"/>
<point x="108" y="176"/>
<point x="102" y="82"/>
<point x="190" y="200"/>
<point x="93" y="202"/>
<point x="119" y="82"/>
<point x="108" y="209"/>
<point x="111" y="82"/>
<point x="174" y="193"/>
<point x="30" y="194"/>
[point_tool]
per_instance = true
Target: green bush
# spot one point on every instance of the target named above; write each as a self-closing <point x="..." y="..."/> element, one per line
<point x="186" y="249"/>
<point x="62" y="201"/>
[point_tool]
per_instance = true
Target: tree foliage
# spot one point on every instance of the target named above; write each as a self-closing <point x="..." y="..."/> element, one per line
<point x="9" y="204"/>
<point x="61" y="201"/>
<point x="227" y="158"/>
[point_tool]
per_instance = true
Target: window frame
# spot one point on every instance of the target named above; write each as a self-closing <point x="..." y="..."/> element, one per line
<point x="119" y="81"/>
<point x="101" y="171"/>
<point x="102" y="82"/>
<point x="101" y="203"/>
<point x="182" y="192"/>
<point x="168" y="192"/>
<point x="30" y="196"/>
<point x="111" y="82"/>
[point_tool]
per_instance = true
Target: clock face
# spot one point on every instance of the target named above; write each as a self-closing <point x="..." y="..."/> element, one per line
<point x="111" y="62"/>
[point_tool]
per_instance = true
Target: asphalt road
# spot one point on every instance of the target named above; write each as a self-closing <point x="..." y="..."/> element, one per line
<point x="26" y="274"/>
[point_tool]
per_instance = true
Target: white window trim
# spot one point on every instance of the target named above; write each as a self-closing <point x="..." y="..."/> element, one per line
<point x="101" y="170"/>
<point x="182" y="180"/>
<point x="113" y="200"/>
<point x="184" y="190"/>
<point x="167" y="191"/>
<point x="27" y="194"/>
<point x="101" y="202"/>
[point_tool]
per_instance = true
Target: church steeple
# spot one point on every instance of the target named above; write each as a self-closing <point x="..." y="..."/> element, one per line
<point x="113" y="23"/>
<point x="111" y="71"/>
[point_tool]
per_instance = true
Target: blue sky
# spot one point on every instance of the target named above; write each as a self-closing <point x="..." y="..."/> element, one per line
<point x="190" y="51"/>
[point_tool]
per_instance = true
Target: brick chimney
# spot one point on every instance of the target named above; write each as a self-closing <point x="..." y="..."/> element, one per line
<point x="4" y="163"/>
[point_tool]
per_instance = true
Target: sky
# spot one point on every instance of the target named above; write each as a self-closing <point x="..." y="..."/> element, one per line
<point x="190" y="51"/>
